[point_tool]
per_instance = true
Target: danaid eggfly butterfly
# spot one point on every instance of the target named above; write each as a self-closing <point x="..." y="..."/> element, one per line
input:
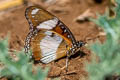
<point x="49" y="38"/>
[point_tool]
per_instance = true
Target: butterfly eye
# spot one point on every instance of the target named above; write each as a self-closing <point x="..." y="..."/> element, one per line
<point x="80" y="44"/>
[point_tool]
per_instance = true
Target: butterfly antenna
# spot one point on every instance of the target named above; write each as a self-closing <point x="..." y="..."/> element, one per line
<point x="86" y="40"/>
<point x="67" y="59"/>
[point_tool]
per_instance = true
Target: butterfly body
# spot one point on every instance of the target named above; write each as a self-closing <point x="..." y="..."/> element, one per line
<point x="49" y="38"/>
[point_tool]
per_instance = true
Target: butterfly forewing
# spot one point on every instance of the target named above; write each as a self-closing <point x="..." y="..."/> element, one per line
<point x="39" y="18"/>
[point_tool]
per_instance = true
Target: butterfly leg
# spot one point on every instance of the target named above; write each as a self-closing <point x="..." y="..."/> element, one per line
<point x="67" y="60"/>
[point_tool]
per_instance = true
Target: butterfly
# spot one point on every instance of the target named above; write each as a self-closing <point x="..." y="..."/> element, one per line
<point x="49" y="38"/>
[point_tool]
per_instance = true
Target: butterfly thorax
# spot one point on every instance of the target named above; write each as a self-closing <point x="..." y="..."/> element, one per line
<point x="75" y="47"/>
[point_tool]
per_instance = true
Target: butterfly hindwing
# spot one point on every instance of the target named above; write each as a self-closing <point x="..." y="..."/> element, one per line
<point x="46" y="46"/>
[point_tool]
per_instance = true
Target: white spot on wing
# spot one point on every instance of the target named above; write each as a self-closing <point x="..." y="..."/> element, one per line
<point x="49" y="46"/>
<point x="65" y="30"/>
<point x="34" y="11"/>
<point x="48" y="33"/>
<point x="48" y="58"/>
<point x="49" y="24"/>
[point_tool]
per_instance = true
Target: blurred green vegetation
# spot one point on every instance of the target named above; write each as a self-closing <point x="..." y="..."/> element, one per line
<point x="20" y="69"/>
<point x="109" y="52"/>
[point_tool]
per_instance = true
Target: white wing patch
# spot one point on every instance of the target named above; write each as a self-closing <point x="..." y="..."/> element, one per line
<point x="34" y="11"/>
<point x="49" y="46"/>
<point x="49" y="24"/>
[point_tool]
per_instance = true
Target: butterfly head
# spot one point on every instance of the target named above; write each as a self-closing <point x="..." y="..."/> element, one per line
<point x="80" y="44"/>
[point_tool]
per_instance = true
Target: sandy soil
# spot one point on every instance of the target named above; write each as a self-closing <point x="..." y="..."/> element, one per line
<point x="13" y="21"/>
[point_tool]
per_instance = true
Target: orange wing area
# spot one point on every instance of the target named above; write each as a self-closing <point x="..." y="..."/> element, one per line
<point x="59" y="31"/>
